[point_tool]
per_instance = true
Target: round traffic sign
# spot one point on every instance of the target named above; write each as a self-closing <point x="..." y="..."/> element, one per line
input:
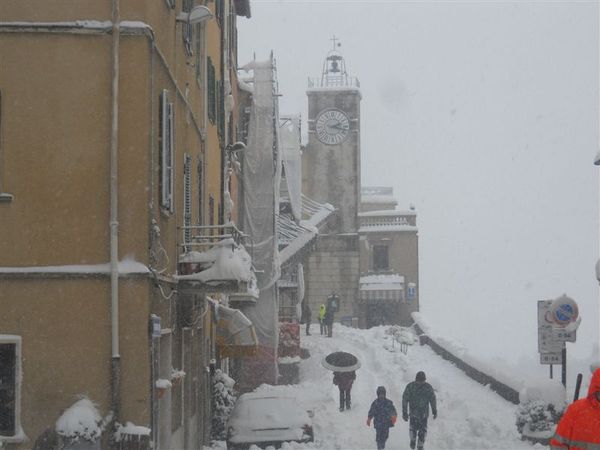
<point x="564" y="310"/>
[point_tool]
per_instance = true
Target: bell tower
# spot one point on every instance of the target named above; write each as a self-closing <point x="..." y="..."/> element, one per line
<point x="331" y="174"/>
<point x="331" y="161"/>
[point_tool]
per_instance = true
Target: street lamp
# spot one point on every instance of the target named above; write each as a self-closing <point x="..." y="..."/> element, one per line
<point x="198" y="14"/>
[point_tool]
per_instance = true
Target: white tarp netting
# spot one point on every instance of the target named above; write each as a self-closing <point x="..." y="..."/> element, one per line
<point x="261" y="181"/>
<point x="289" y="136"/>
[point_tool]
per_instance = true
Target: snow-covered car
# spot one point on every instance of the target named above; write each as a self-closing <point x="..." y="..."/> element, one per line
<point x="264" y="420"/>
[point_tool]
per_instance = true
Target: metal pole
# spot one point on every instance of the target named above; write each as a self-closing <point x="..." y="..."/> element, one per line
<point x="564" y="365"/>
<point x="551" y="374"/>
<point x="577" y="387"/>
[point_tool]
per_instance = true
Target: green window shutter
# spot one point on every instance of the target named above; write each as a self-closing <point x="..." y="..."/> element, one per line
<point x="211" y="85"/>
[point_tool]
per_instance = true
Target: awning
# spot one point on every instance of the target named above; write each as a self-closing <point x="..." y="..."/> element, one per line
<point x="236" y="336"/>
<point x="381" y="288"/>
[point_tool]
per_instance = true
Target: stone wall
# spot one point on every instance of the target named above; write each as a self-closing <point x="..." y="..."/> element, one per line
<point x="333" y="266"/>
<point x="504" y="391"/>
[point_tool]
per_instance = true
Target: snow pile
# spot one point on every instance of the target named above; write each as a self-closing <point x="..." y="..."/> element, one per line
<point x="402" y="335"/>
<point x="81" y="420"/>
<point x="161" y="383"/>
<point x="537" y="419"/>
<point x="550" y="391"/>
<point x="177" y="375"/>
<point x="225" y="261"/>
<point x="542" y="405"/>
<point x="223" y="402"/>
<point x="459" y="350"/>
<point x="289" y="360"/>
<point x="131" y="432"/>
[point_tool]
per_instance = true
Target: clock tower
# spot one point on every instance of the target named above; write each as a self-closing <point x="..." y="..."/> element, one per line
<point x="331" y="174"/>
<point x="331" y="160"/>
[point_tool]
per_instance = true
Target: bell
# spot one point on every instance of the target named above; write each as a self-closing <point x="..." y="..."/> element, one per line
<point x="334" y="67"/>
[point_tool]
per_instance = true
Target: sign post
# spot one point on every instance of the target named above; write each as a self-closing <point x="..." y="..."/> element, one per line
<point x="557" y="324"/>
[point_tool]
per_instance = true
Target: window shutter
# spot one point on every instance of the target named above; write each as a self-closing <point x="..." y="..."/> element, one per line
<point x="187" y="199"/>
<point x="166" y="149"/>
<point x="212" y="101"/>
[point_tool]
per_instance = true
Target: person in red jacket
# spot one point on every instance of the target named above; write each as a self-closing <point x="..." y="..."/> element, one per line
<point x="344" y="380"/>
<point x="579" y="427"/>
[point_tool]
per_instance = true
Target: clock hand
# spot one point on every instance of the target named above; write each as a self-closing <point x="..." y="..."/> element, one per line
<point x="339" y="126"/>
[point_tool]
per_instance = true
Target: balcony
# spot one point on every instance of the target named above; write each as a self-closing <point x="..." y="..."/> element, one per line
<point x="215" y="259"/>
<point x="387" y="220"/>
<point x="330" y="81"/>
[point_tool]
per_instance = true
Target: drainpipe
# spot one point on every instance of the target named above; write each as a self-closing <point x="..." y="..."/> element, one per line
<point x="114" y="224"/>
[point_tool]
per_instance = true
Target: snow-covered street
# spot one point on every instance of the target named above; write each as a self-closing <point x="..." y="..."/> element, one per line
<point x="471" y="417"/>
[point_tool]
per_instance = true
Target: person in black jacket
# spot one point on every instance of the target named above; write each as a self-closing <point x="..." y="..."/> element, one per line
<point x="307" y="318"/>
<point x="344" y="380"/>
<point x="418" y="396"/>
<point x="383" y="413"/>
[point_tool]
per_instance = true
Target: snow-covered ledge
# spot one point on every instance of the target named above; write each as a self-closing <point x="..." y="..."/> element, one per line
<point x="225" y="262"/>
<point x="127" y="268"/>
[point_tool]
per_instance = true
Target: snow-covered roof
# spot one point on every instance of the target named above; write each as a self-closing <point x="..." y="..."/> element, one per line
<point x="125" y="267"/>
<point x="386" y="228"/>
<point x="388" y="287"/>
<point x="378" y="199"/>
<point x="334" y="88"/>
<point x="81" y="25"/>
<point x="295" y="237"/>
<point x="376" y="190"/>
<point x="381" y="282"/>
<point x="387" y="212"/>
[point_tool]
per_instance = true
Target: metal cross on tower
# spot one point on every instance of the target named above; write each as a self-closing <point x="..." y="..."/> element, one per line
<point x="335" y="43"/>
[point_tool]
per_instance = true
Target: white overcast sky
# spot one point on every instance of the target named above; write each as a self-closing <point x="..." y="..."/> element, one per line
<point x="484" y="115"/>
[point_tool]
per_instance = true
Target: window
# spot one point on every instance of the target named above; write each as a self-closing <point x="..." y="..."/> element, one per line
<point x="10" y="388"/>
<point x="186" y="28"/>
<point x="4" y="197"/>
<point x="166" y="140"/>
<point x="200" y="191"/>
<point x="221" y="109"/>
<point x="380" y="257"/>
<point x="187" y="199"/>
<point x="211" y="210"/>
<point x="219" y="10"/>
<point x="200" y="53"/>
<point x="212" y="91"/>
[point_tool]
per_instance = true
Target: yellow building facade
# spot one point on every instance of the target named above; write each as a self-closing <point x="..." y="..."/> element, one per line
<point x="111" y="147"/>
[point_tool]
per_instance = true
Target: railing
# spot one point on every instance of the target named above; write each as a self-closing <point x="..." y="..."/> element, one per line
<point x="334" y="81"/>
<point x="204" y="237"/>
<point x="385" y="220"/>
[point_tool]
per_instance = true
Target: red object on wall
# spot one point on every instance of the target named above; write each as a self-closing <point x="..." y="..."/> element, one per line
<point x="289" y="339"/>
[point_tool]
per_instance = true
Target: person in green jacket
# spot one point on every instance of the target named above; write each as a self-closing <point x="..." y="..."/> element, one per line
<point x="322" y="311"/>
<point x="416" y="399"/>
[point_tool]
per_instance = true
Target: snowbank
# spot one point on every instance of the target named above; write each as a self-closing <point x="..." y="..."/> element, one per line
<point x="81" y="420"/>
<point x="131" y="431"/>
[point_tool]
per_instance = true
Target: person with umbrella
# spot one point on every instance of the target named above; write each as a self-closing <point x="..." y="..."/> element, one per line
<point x="344" y="366"/>
<point x="344" y="380"/>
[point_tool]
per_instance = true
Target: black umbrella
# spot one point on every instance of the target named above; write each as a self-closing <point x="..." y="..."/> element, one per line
<point x="341" y="362"/>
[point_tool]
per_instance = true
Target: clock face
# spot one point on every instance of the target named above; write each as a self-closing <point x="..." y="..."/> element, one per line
<point x="332" y="126"/>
